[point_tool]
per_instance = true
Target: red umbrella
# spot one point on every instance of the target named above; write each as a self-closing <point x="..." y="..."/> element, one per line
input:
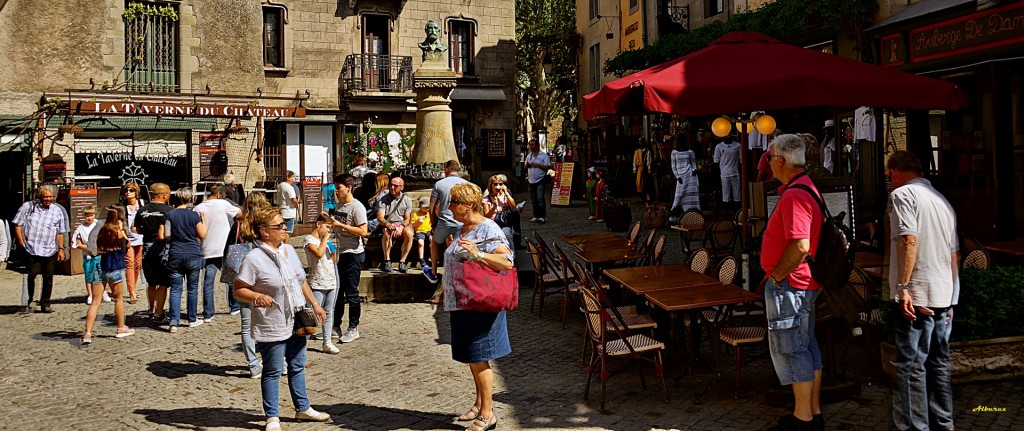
<point x="747" y="71"/>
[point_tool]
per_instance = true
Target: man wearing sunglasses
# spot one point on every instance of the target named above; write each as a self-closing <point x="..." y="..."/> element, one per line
<point x="395" y="216"/>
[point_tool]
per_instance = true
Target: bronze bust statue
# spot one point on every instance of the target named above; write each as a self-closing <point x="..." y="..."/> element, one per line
<point x="431" y="45"/>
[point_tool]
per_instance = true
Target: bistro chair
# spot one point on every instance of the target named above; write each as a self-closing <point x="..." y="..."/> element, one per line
<point x="543" y="245"/>
<point x="637" y="352"/>
<point x="739" y="329"/>
<point x="544" y="276"/>
<point x="691" y="218"/>
<point x="633" y="232"/>
<point x="657" y="251"/>
<point x="699" y="261"/>
<point x="725" y="271"/>
<point x="627" y="314"/>
<point x="572" y="288"/>
<point x="977" y="258"/>
<point x="720" y="239"/>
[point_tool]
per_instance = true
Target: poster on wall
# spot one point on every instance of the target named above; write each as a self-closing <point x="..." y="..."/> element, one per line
<point x="495" y="143"/>
<point x="311" y="199"/>
<point x="562" y="184"/>
<point x="213" y="156"/>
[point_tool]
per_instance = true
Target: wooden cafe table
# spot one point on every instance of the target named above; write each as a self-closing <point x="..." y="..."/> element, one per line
<point x="1012" y="248"/>
<point x="592" y="241"/>
<point x="643" y="279"/>
<point x="608" y="255"/>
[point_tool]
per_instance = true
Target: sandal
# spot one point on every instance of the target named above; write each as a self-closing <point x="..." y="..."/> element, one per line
<point x="481" y="424"/>
<point x="470" y="414"/>
<point x="133" y="299"/>
<point x="124" y="332"/>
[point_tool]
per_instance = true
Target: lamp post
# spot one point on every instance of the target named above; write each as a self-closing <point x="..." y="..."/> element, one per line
<point x="721" y="127"/>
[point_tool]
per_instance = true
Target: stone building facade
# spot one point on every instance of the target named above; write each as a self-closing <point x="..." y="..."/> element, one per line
<point x="347" y="63"/>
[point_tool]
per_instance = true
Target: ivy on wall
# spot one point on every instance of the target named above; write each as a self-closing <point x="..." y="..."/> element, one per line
<point x="781" y="19"/>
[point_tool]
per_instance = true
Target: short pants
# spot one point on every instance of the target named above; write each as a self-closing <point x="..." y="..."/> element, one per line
<point x="791" y="341"/>
<point x="112" y="277"/>
<point x="89" y="265"/>
<point x="421" y="236"/>
<point x="442" y="231"/>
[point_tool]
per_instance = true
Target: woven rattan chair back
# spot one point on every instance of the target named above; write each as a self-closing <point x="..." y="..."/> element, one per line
<point x="700" y="260"/>
<point x="633" y="232"/>
<point x="726" y="270"/>
<point x="977" y="259"/>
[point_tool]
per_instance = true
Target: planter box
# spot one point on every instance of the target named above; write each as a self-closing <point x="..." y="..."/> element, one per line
<point x="974" y="361"/>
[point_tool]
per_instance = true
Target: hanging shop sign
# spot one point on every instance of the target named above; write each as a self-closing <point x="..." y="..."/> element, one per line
<point x="987" y="29"/>
<point x="122" y="161"/>
<point x="894" y="51"/>
<point x="178" y="109"/>
<point x="213" y="156"/>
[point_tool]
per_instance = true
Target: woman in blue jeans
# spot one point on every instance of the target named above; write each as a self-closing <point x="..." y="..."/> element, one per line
<point x="183" y="230"/>
<point x="245" y="234"/>
<point x="271" y="279"/>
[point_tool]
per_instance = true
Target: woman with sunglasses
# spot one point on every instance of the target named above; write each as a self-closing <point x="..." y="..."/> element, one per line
<point x="501" y="207"/>
<point x="271" y="279"/>
<point x="133" y="259"/>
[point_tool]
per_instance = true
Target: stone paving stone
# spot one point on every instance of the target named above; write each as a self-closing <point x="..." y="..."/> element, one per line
<point x="399" y="375"/>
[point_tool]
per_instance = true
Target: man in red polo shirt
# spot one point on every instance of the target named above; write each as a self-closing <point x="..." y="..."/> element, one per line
<point x="792" y="234"/>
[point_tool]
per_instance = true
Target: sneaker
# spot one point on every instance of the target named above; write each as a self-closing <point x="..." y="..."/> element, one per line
<point x="424" y="264"/>
<point x="534" y="220"/>
<point x="255" y="373"/>
<point x="402" y="267"/>
<point x="349" y="336"/>
<point x="196" y="323"/>
<point x="235" y="312"/>
<point x="319" y="336"/>
<point x="590" y="218"/>
<point x="312" y="415"/>
<point x="207" y="320"/>
<point x="542" y="220"/>
<point x="387" y="267"/>
<point x="124" y="332"/>
<point x="88" y="301"/>
<point x="106" y="298"/>
<point x="330" y="348"/>
<point x="87" y="339"/>
<point x="172" y="329"/>
<point x="273" y="424"/>
<point x="163" y="320"/>
<point x="600" y="220"/>
<point x="429" y="273"/>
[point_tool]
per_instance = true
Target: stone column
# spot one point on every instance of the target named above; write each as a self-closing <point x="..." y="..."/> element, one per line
<point x="435" y="141"/>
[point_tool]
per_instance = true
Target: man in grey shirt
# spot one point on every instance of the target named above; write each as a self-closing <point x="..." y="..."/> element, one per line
<point x="350" y="228"/>
<point x="444" y="224"/>
<point x="394" y="215"/>
<point x="924" y="275"/>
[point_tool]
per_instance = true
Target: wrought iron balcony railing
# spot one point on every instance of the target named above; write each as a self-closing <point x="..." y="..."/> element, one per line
<point x="373" y="72"/>
<point x="680" y="15"/>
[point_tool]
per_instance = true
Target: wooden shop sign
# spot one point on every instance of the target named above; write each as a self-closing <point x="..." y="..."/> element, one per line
<point x="982" y="30"/>
<point x="172" y="109"/>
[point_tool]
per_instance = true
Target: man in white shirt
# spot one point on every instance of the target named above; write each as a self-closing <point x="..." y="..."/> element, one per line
<point x="289" y="200"/>
<point x="538" y="163"/>
<point x="727" y="155"/>
<point x="220" y="215"/>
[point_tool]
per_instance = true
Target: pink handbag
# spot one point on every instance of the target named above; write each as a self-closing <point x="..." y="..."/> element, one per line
<point x="479" y="288"/>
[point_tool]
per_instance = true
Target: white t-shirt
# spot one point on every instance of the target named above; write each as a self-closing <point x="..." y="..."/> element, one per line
<point x="260" y="272"/>
<point x="286" y="193"/>
<point x="535" y="175"/>
<point x="918" y="209"/>
<point x="83" y="232"/>
<point x="220" y="214"/>
<point x="133" y="238"/>
<point x="321" y="270"/>
<point x="727" y="155"/>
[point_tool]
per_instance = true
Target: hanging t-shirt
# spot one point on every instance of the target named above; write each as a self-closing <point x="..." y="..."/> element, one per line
<point x="864" y="124"/>
<point x="727" y="155"/>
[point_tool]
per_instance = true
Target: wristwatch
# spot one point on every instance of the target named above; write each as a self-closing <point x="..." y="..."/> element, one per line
<point x="774" y="280"/>
<point x="900" y="286"/>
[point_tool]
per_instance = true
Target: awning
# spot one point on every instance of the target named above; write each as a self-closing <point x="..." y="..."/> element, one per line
<point x="919" y="10"/>
<point x="14" y="143"/>
<point x="477" y="93"/>
<point x="148" y="148"/>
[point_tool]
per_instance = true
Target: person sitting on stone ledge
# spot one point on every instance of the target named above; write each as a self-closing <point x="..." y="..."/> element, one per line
<point x="394" y="213"/>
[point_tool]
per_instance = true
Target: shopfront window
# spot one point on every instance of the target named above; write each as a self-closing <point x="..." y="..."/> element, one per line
<point x="116" y="158"/>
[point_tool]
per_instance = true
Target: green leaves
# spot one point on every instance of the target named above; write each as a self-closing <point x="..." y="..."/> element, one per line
<point x="989" y="304"/>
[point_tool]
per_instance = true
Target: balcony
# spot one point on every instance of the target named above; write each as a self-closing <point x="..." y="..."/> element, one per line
<point x="373" y="73"/>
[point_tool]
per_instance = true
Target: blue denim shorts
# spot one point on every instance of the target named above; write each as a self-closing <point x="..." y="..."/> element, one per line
<point x="89" y="266"/>
<point x="791" y="339"/>
<point x="421" y="236"/>
<point x="112" y="277"/>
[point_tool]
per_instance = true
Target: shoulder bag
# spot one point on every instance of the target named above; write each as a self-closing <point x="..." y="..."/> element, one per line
<point x="306" y="321"/>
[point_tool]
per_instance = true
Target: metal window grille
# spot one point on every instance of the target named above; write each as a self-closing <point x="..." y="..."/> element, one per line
<point x="151" y="50"/>
<point x="272" y="161"/>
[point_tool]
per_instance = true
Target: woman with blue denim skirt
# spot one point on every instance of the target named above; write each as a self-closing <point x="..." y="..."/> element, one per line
<point x="111" y="245"/>
<point x="271" y="279"/>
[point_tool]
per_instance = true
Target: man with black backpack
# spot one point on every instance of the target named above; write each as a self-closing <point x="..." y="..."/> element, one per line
<point x="790" y="290"/>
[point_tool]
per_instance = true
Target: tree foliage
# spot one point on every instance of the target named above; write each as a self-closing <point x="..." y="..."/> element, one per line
<point x="545" y="29"/>
<point x="781" y="19"/>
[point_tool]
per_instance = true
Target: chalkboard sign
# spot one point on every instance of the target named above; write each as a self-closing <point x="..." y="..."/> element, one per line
<point x="312" y="197"/>
<point x="213" y="157"/>
<point x="81" y="195"/>
<point x="495" y="143"/>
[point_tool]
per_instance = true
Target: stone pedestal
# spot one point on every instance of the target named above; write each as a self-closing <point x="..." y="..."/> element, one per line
<point x="435" y="142"/>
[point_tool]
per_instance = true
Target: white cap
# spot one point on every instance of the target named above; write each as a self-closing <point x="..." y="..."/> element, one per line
<point x="829" y="123"/>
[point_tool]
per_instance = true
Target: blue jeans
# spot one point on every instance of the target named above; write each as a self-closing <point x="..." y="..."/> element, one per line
<point x="922" y="394"/>
<point x="189" y="268"/>
<point x="349" y="267"/>
<point x="233" y="303"/>
<point x="537" y="198"/>
<point x="791" y="340"/>
<point x="293" y="352"/>
<point x="327" y="298"/>
<point x="248" y="345"/>
<point x="210" y="268"/>
<point x="289" y="225"/>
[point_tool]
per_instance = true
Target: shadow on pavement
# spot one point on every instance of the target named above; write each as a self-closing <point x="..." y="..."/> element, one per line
<point x="176" y="370"/>
<point x="204" y="418"/>
<point x="444" y="328"/>
<point x="71" y="337"/>
<point x="11" y="309"/>
<point x="364" y="417"/>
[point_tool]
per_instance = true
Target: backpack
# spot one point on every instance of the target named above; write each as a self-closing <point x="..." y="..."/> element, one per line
<point x="832" y="262"/>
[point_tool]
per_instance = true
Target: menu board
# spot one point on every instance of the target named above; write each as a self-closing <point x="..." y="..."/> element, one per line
<point x="562" y="184"/>
<point x="311" y="199"/>
<point x="495" y="143"/>
<point x="80" y="196"/>
<point x="213" y="156"/>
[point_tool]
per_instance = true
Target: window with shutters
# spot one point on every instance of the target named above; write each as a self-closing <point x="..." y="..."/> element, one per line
<point x="594" y="60"/>
<point x="714" y="7"/>
<point x="460" y="46"/>
<point x="151" y="46"/>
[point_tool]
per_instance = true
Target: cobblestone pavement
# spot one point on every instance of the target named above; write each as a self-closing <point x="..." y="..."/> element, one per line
<point x="399" y="375"/>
